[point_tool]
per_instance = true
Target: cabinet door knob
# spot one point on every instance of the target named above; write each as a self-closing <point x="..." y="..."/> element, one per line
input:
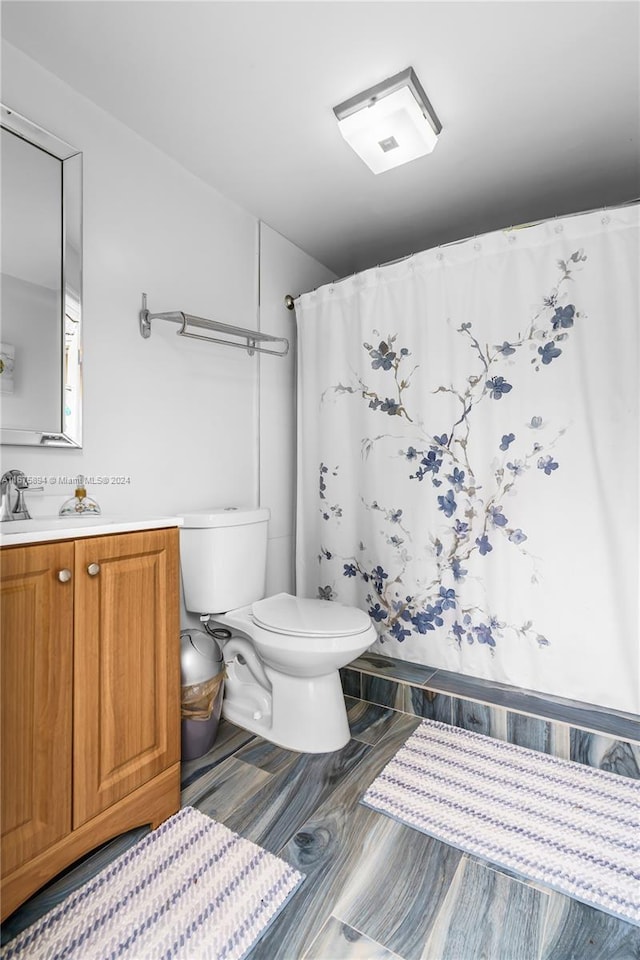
<point x="93" y="569"/>
<point x="64" y="576"/>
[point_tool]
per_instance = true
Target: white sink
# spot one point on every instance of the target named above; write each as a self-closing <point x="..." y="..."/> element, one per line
<point x="42" y="529"/>
<point x="36" y="524"/>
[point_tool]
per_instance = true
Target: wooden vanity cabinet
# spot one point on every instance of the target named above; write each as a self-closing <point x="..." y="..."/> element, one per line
<point x="37" y="674"/>
<point x="90" y="678"/>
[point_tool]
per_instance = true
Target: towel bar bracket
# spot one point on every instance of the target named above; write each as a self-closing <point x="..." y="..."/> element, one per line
<point x="249" y="340"/>
<point x="145" y="322"/>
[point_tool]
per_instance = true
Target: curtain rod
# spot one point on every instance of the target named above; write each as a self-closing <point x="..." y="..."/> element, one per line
<point x="289" y="300"/>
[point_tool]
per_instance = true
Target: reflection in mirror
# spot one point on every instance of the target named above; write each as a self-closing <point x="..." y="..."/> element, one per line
<point x="41" y="348"/>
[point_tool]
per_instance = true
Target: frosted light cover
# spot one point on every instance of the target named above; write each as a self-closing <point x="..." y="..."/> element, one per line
<point x="389" y="133"/>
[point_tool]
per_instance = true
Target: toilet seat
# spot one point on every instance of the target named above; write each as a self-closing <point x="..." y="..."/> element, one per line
<point x="296" y="616"/>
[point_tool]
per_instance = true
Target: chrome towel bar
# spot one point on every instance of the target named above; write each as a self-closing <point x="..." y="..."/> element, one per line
<point x="252" y="338"/>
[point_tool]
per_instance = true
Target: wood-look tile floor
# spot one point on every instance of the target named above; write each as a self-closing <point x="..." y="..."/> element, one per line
<point x="374" y="889"/>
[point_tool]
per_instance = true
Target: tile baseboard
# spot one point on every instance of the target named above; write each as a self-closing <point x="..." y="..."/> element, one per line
<point x="595" y="736"/>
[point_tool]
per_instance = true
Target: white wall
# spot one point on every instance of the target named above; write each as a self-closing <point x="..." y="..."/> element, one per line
<point x="177" y="416"/>
<point x="284" y="268"/>
<point x="191" y="424"/>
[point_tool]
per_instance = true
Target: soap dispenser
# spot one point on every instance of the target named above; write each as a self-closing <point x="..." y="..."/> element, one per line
<point x="80" y="503"/>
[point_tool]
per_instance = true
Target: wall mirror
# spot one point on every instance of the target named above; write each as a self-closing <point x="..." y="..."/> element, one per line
<point x="41" y="286"/>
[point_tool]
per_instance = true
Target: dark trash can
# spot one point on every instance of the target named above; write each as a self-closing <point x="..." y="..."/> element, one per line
<point x="202" y="669"/>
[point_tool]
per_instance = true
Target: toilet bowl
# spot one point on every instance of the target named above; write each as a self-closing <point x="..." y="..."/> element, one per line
<point x="284" y="653"/>
<point x="283" y="663"/>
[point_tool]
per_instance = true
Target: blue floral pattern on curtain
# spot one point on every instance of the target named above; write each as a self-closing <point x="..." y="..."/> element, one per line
<point x="476" y="514"/>
<point x="468" y="456"/>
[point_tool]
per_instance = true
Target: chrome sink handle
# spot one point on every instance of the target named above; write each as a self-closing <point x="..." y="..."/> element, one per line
<point x="5" y="490"/>
<point x="17" y="480"/>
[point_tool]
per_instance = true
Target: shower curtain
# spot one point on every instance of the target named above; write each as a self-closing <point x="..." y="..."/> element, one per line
<point x="468" y="455"/>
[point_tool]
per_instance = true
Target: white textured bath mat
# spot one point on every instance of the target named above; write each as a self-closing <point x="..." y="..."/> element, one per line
<point x="190" y="889"/>
<point x="574" y="828"/>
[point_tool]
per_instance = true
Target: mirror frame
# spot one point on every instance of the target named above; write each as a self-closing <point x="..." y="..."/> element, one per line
<point x="70" y="433"/>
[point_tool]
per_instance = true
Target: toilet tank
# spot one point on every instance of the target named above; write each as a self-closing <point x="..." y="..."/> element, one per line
<point x="223" y="558"/>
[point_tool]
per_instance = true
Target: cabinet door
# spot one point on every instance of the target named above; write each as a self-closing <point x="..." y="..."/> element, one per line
<point x="127" y="666"/>
<point x="37" y="674"/>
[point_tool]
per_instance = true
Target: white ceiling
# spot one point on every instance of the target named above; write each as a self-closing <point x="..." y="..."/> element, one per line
<point x="539" y="102"/>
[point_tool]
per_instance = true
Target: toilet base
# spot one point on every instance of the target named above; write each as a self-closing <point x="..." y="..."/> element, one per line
<point x="305" y="714"/>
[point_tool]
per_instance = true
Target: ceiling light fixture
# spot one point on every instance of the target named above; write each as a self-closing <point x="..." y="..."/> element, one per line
<point x="391" y="123"/>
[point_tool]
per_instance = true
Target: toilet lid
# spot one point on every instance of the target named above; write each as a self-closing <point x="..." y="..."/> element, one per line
<point x="312" y="618"/>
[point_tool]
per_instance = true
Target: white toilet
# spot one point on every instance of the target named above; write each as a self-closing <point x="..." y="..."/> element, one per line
<point x="284" y="653"/>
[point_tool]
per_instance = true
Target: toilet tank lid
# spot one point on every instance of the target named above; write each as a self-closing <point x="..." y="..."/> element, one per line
<point x="225" y="517"/>
<point x="286" y="614"/>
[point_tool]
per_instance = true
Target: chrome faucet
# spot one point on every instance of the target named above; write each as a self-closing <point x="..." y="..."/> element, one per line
<point x="14" y="479"/>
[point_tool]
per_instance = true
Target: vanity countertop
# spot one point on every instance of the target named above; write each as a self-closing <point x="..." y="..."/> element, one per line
<point x="40" y="529"/>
